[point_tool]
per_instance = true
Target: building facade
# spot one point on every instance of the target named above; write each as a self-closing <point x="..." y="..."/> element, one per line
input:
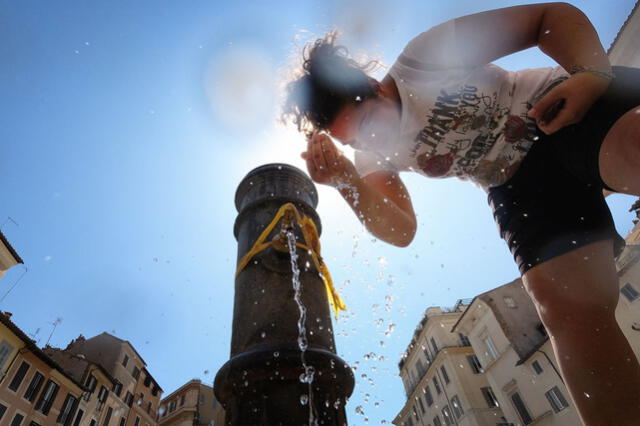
<point x="511" y="343"/>
<point x="193" y="404"/>
<point x="8" y="256"/>
<point x="137" y="394"/>
<point x="34" y="390"/>
<point x="443" y="379"/>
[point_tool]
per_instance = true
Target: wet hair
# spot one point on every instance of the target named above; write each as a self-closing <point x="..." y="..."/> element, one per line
<point x="330" y="80"/>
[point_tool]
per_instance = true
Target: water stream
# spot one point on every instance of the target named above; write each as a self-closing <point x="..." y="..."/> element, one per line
<point x="309" y="371"/>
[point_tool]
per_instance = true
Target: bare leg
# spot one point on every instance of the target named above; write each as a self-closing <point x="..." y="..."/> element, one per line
<point x="576" y="295"/>
<point x="619" y="157"/>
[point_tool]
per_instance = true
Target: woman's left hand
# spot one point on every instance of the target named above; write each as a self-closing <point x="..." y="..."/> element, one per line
<point x="579" y="92"/>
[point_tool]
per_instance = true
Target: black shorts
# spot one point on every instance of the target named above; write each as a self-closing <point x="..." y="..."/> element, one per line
<point x="554" y="203"/>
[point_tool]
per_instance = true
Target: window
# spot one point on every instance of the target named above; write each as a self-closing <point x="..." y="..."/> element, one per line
<point x="117" y="389"/>
<point x="93" y="422"/>
<point x="491" y="349"/>
<point x="17" y="419"/>
<point x="446" y="415"/>
<point x="629" y="292"/>
<point x="492" y="402"/>
<point x="433" y="344"/>
<point x="172" y="406"/>
<point x="91" y="384"/>
<point x="415" y="414"/>
<point x="68" y="409"/>
<point x="125" y="360"/>
<point x="46" y="397"/>
<point x="107" y="418"/>
<point x="136" y="373"/>
<point x="444" y="374"/>
<point x="3" y="409"/>
<point x="457" y="406"/>
<point x="425" y="349"/>
<point x="201" y="399"/>
<point x="464" y="340"/>
<point x="122" y="420"/>
<point x="537" y="367"/>
<point x="102" y="395"/>
<point x="19" y="376"/>
<point x="34" y="387"/>
<point x="436" y="421"/>
<point x="78" y="418"/>
<point x="128" y="399"/>
<point x="148" y="407"/>
<point x="428" y="398"/>
<point x="214" y="403"/>
<point x="147" y="381"/>
<point x="5" y="351"/>
<point x="182" y="400"/>
<point x="556" y="399"/>
<point x="474" y="362"/>
<point x="420" y="370"/>
<point x="32" y="423"/>
<point x="421" y="404"/>
<point x="137" y="422"/>
<point x="518" y="403"/>
<point x="436" y="385"/>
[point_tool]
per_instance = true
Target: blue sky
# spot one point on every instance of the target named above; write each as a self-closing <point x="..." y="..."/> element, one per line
<point x="126" y="127"/>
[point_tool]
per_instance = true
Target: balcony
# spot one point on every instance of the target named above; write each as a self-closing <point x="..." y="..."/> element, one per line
<point x="430" y="361"/>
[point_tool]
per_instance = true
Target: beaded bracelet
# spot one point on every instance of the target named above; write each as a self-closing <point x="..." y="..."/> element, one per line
<point x="609" y="75"/>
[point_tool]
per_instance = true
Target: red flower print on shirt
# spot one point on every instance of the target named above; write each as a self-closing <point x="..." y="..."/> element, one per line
<point x="435" y="165"/>
<point x="514" y="129"/>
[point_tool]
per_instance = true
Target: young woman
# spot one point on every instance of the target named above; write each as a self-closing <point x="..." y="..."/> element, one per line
<point x="543" y="143"/>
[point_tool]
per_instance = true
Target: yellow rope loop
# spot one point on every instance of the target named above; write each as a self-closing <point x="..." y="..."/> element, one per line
<point x="312" y="246"/>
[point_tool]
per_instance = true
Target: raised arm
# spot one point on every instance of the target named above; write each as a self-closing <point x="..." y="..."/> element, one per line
<point x="380" y="200"/>
<point x="560" y="30"/>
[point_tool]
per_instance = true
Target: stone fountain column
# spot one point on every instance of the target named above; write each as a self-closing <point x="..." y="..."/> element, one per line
<point x="260" y="384"/>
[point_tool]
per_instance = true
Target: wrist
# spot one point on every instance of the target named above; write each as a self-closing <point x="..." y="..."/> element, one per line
<point x="605" y="72"/>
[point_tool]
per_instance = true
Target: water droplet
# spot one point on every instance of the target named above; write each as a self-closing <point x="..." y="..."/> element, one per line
<point x="304" y="399"/>
<point x="360" y="410"/>
<point x="263" y="334"/>
<point x="547" y="31"/>
<point x="587" y="395"/>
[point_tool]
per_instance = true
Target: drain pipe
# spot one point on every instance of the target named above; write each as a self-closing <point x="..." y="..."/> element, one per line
<point x="260" y="384"/>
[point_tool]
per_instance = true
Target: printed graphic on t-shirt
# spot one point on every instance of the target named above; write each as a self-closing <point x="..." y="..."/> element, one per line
<point x="462" y="128"/>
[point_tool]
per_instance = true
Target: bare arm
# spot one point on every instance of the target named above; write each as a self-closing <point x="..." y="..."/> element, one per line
<point x="380" y="200"/>
<point x="560" y="30"/>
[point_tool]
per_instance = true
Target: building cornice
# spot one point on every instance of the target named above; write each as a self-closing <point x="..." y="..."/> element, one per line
<point x="15" y="255"/>
<point x="622" y="28"/>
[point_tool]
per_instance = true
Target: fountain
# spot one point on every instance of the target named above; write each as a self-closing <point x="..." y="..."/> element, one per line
<point x="283" y="368"/>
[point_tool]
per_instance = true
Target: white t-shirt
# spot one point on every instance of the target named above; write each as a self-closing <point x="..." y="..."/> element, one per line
<point x="468" y="122"/>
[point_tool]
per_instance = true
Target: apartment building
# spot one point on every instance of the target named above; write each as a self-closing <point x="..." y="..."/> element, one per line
<point x="8" y="256"/>
<point x="443" y="379"/>
<point x="512" y="345"/>
<point x="97" y="398"/>
<point x="134" y="386"/>
<point x="34" y="390"/>
<point x="628" y="309"/>
<point x="624" y="49"/>
<point x="193" y="404"/>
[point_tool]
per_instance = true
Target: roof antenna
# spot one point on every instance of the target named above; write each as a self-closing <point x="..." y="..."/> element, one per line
<point x="8" y="219"/>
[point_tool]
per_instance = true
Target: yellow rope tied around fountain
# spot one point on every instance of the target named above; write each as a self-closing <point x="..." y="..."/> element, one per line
<point x="310" y="234"/>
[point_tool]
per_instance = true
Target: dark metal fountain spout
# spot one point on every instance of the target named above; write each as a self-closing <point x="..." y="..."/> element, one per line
<point x="264" y="381"/>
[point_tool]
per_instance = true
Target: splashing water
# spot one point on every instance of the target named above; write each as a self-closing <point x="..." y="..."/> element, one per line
<point x="309" y="371"/>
